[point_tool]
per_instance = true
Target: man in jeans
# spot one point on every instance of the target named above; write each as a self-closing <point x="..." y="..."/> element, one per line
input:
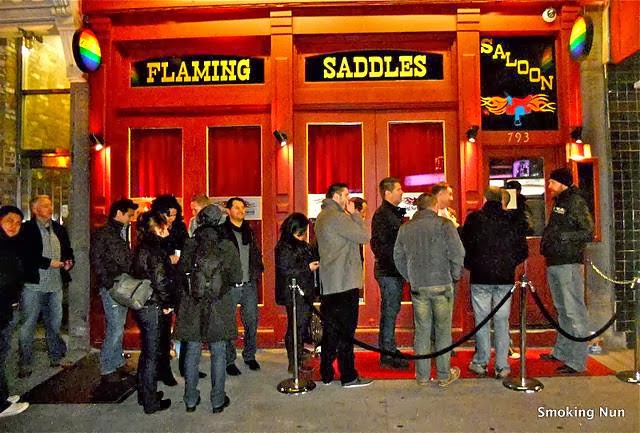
<point x="495" y="244"/>
<point x="429" y="254"/>
<point x="110" y="257"/>
<point x="384" y="231"/>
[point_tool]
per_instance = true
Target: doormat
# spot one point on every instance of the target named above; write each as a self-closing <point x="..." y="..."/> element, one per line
<point x="368" y="365"/>
<point x="81" y="383"/>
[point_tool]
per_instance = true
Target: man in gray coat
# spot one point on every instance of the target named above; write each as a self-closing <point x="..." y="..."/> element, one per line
<point x="429" y="254"/>
<point x="340" y="230"/>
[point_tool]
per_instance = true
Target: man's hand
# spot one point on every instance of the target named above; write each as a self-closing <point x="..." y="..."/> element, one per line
<point x="56" y="264"/>
<point x="174" y="259"/>
<point x="350" y="207"/>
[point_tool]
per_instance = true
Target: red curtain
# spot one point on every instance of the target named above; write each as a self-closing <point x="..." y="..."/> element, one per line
<point x="234" y="161"/>
<point x="416" y="154"/>
<point x="156" y="162"/>
<point x="335" y="155"/>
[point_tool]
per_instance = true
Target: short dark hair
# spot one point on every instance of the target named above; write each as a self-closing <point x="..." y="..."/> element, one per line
<point x="123" y="205"/>
<point x="335" y="188"/>
<point x="358" y="203"/>
<point x="229" y="203"/>
<point x="294" y="224"/>
<point x="387" y="184"/>
<point x="514" y="184"/>
<point x="426" y="200"/>
<point x="7" y="209"/>
<point x="440" y="186"/>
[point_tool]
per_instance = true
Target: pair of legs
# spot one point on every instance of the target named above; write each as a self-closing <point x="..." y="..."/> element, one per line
<point x="247" y="297"/>
<point x="432" y="308"/>
<point x="483" y="298"/>
<point x="115" y="316"/>
<point x="6" y="331"/>
<point x="340" y="313"/>
<point x="50" y="304"/>
<point x="566" y="283"/>
<point x="390" y="299"/>
<point x="218" y="373"/>
<point x="148" y="319"/>
<point x="164" y="347"/>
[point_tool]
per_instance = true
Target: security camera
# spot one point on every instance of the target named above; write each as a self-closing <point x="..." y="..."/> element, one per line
<point x="549" y="15"/>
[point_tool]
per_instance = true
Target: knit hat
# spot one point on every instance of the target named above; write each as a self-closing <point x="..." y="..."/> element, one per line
<point x="562" y="175"/>
<point x="493" y="194"/>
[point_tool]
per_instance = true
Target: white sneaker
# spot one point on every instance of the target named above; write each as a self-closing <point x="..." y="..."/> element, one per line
<point x="14" y="409"/>
<point x="454" y="374"/>
<point x="13" y="398"/>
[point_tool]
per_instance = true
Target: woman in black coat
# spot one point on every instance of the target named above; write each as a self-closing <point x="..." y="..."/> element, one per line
<point x="295" y="259"/>
<point x="151" y="261"/>
<point x="207" y="313"/>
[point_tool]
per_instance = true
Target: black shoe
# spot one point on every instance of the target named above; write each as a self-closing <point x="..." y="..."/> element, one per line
<point x="227" y="402"/>
<point x="169" y="380"/>
<point x="159" y="395"/>
<point x="114" y="377"/>
<point x="548" y="357"/>
<point x="161" y="405"/>
<point x="193" y="408"/>
<point x="565" y="369"/>
<point x="253" y="364"/>
<point x="232" y="370"/>
<point x="395" y="363"/>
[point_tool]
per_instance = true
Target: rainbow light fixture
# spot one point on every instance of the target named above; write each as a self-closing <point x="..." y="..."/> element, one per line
<point x="581" y="38"/>
<point x="86" y="50"/>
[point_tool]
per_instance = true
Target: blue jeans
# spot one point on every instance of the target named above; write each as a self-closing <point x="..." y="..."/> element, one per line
<point x="483" y="298"/>
<point x="390" y="298"/>
<point x="247" y="297"/>
<point x="148" y="318"/>
<point x="50" y="303"/>
<point x="5" y="345"/>
<point x="218" y="372"/>
<point x="115" y="316"/>
<point x="432" y="307"/>
<point x="566" y="283"/>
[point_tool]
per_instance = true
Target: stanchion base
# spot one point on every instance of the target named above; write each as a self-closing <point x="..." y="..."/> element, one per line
<point x="629" y="376"/>
<point x="289" y="386"/>
<point x="525" y="384"/>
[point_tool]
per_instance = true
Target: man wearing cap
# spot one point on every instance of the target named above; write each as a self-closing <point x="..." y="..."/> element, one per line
<point x="495" y="244"/>
<point x="110" y="257"/>
<point x="569" y="229"/>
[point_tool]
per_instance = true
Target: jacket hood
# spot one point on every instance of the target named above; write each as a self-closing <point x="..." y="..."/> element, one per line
<point x="209" y="215"/>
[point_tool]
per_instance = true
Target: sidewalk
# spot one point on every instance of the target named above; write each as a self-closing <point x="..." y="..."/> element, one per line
<point x="468" y="405"/>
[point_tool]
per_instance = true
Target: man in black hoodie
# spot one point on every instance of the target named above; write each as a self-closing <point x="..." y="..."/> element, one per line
<point x="564" y="239"/>
<point x="110" y="257"/>
<point x="494" y="245"/>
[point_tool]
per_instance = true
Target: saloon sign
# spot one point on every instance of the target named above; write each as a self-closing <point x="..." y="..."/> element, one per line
<point x="374" y="65"/>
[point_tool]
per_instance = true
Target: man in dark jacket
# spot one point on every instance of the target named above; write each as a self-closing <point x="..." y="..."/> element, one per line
<point x="47" y="259"/>
<point x="384" y="231"/>
<point x="564" y="239"/>
<point x="494" y="244"/>
<point x="10" y="287"/>
<point x="110" y="257"/>
<point x="238" y="231"/>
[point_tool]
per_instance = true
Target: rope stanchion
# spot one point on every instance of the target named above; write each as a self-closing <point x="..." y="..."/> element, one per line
<point x="628" y="375"/>
<point x="523" y="383"/>
<point x="295" y="385"/>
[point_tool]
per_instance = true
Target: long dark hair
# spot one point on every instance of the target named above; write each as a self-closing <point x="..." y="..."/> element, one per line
<point x="164" y="202"/>
<point x="294" y="224"/>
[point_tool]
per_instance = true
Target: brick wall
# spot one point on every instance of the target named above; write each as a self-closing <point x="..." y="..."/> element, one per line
<point x="8" y="107"/>
<point x="624" y="116"/>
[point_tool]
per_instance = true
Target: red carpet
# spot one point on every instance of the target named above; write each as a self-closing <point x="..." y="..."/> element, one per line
<point x="367" y="364"/>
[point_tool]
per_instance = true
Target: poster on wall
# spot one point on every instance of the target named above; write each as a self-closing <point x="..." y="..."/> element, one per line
<point x="518" y="84"/>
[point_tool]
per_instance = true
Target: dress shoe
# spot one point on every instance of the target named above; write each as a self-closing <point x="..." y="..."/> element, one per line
<point x="114" y="377"/>
<point x="24" y="372"/>
<point x="253" y="364"/>
<point x="159" y="395"/>
<point x="548" y="357"/>
<point x="161" y="405"/>
<point x="227" y="402"/>
<point x="565" y="369"/>
<point x="168" y="380"/>
<point x="232" y="370"/>
<point x="193" y="408"/>
<point x="395" y="363"/>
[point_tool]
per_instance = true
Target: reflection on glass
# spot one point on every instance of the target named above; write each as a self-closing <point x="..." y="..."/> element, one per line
<point x="529" y="174"/>
<point x="46" y="121"/>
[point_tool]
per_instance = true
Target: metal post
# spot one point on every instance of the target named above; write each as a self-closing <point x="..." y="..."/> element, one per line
<point x="628" y="375"/>
<point x="295" y="385"/>
<point x="523" y="383"/>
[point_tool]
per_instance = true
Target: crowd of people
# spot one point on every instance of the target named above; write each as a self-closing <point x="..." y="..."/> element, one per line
<point x="201" y="274"/>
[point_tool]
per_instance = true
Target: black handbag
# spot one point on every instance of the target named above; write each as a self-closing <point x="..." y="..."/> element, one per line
<point x="131" y="292"/>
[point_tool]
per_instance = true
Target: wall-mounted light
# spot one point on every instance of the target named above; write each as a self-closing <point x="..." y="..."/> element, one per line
<point x="97" y="142"/>
<point x="281" y="137"/>
<point x="472" y="133"/>
<point x="576" y="135"/>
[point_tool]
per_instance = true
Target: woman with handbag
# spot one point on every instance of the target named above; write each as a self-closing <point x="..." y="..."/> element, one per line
<point x="151" y="261"/>
<point x="295" y="259"/>
<point x="207" y="313"/>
